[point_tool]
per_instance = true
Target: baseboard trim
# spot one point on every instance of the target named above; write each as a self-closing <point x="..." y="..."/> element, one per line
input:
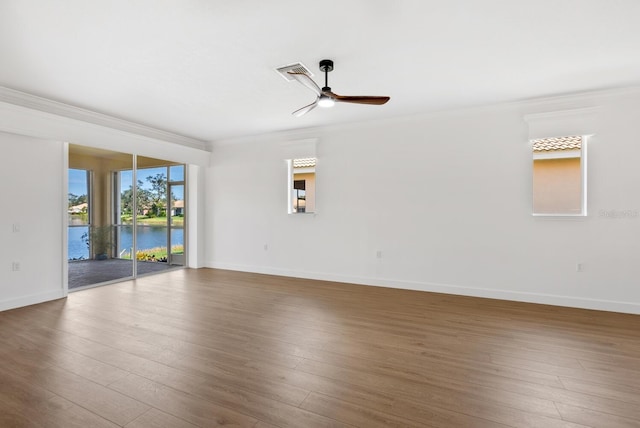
<point x="516" y="296"/>
<point x="32" y="299"/>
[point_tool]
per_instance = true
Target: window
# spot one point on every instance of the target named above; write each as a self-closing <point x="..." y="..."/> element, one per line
<point x="302" y="185"/>
<point x="79" y="213"/>
<point x="559" y="141"/>
<point x="559" y="185"/>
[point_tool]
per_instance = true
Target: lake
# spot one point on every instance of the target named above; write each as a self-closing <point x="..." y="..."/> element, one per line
<point x="148" y="237"/>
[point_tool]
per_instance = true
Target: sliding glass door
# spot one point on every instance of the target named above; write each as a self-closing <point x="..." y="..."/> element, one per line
<point x="126" y="216"/>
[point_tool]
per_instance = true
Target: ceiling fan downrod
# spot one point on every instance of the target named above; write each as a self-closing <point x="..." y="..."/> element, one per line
<point x="326" y="65"/>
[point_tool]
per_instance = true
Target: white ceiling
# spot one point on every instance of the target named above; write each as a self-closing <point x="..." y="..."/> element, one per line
<point x="205" y="68"/>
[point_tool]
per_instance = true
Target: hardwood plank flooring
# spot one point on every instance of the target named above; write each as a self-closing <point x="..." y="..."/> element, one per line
<point x="206" y="348"/>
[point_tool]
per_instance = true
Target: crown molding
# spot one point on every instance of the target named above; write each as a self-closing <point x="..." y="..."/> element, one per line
<point x="23" y="99"/>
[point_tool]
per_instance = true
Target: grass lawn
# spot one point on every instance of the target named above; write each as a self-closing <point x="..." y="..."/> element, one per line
<point x="155" y="254"/>
<point x="154" y="221"/>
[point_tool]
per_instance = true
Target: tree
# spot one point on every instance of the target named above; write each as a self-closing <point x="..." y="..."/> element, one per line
<point x="143" y="199"/>
<point x="158" y="192"/>
<point x="76" y="200"/>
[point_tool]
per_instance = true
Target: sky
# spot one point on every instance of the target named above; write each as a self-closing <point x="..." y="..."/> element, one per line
<point x="78" y="179"/>
<point x="78" y="182"/>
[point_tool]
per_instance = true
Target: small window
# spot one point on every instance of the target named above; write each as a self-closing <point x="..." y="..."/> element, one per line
<point x="559" y="185"/>
<point x="299" y="196"/>
<point x="302" y="185"/>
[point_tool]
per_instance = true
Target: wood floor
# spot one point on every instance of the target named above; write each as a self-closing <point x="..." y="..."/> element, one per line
<point x="204" y="348"/>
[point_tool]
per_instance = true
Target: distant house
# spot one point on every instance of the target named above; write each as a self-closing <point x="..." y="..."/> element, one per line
<point x="78" y="209"/>
<point x="178" y="208"/>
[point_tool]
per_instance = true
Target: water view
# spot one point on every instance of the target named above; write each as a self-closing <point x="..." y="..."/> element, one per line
<point x="148" y="237"/>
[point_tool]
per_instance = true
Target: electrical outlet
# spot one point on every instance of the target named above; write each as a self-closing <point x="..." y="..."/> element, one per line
<point x="266" y="247"/>
<point x="579" y="267"/>
<point x="15" y="266"/>
<point x="16" y="227"/>
<point x="379" y="254"/>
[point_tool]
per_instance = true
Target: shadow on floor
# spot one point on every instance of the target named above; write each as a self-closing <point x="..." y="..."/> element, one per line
<point x="88" y="272"/>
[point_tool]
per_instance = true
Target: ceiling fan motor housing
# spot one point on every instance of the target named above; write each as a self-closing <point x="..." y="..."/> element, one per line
<point x="326" y="65"/>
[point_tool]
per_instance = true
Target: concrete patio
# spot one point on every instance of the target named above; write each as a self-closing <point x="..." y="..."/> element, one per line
<point x="90" y="272"/>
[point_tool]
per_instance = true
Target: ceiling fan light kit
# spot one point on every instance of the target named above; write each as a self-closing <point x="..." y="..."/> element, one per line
<point x="326" y="101"/>
<point x="325" y="97"/>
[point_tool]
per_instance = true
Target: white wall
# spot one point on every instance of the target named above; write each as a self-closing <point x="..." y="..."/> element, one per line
<point x="196" y="216"/>
<point x="31" y="180"/>
<point x="446" y="198"/>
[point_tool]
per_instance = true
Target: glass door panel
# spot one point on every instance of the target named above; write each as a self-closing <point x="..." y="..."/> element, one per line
<point x="98" y="184"/>
<point x="152" y="229"/>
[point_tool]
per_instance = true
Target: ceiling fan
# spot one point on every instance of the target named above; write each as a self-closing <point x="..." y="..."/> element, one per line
<point x="325" y="96"/>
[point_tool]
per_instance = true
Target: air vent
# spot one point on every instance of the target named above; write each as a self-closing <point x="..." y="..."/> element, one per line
<point x="298" y="67"/>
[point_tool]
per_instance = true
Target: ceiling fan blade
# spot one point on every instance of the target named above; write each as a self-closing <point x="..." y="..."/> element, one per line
<point x="307" y="82"/>
<point x="306" y="109"/>
<point x="358" y="99"/>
